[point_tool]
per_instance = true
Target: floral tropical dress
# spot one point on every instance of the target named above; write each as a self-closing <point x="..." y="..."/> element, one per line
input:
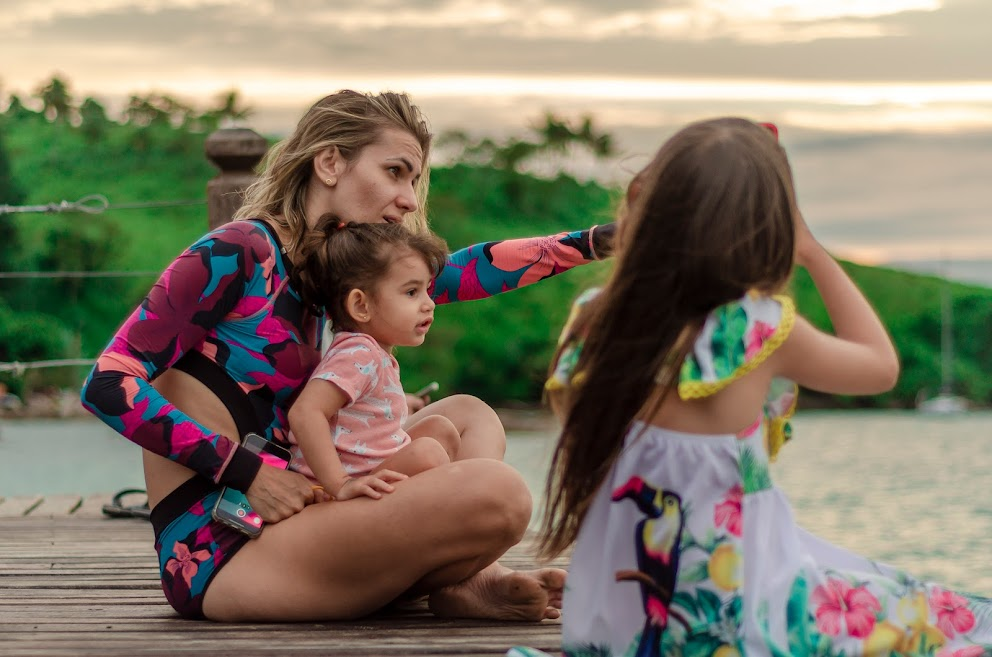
<point x="689" y="549"/>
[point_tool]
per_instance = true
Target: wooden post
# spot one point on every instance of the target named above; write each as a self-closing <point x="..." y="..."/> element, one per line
<point x="235" y="151"/>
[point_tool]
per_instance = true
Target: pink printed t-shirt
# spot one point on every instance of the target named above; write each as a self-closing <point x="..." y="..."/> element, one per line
<point x="370" y="426"/>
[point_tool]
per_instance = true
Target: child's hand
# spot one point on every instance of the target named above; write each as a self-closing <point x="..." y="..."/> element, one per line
<point x="806" y="244"/>
<point x="371" y="485"/>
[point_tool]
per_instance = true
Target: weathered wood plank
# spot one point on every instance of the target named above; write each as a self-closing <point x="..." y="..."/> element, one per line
<point x="92" y="506"/>
<point x="56" y="506"/>
<point x="15" y="507"/>
<point x="88" y="585"/>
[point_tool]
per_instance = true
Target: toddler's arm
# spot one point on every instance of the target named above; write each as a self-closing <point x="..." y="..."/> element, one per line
<point x="859" y="359"/>
<point x="309" y="419"/>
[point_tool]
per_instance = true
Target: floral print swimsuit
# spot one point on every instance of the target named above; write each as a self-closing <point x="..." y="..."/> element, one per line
<point x="689" y="549"/>
<point x="229" y="297"/>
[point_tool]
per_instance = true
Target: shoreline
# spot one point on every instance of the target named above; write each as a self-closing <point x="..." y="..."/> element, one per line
<point x="519" y="417"/>
<point x="65" y="404"/>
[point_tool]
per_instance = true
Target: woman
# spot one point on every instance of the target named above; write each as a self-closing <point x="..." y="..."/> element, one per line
<point x="231" y="301"/>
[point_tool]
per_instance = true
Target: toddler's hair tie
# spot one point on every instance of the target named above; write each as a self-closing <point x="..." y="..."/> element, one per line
<point x="341" y="225"/>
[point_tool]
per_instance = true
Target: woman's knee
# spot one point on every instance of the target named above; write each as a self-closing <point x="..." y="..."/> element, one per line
<point x="477" y="420"/>
<point x="495" y="497"/>
<point x="472" y="407"/>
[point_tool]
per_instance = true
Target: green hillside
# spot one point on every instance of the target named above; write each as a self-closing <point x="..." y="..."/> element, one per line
<point x="497" y="349"/>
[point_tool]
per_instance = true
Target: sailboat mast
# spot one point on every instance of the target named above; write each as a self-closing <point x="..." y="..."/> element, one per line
<point x="946" y="338"/>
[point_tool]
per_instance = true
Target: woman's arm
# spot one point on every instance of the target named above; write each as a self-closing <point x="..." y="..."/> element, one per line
<point x="489" y="268"/>
<point x="196" y="292"/>
<point x="859" y="359"/>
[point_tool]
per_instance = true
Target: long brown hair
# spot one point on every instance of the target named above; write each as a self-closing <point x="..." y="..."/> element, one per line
<point x="712" y="219"/>
<point x="337" y="258"/>
<point x="350" y="121"/>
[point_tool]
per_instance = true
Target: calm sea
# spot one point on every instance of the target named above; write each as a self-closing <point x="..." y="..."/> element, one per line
<point x="912" y="490"/>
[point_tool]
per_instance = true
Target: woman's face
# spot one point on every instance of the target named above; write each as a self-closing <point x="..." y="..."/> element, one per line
<point x="380" y="184"/>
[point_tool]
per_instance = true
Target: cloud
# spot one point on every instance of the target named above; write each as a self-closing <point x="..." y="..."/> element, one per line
<point x="897" y="196"/>
<point x="120" y="41"/>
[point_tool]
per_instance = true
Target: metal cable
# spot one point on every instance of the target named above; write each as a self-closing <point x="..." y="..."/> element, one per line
<point x="18" y="368"/>
<point x="77" y="274"/>
<point x="95" y="204"/>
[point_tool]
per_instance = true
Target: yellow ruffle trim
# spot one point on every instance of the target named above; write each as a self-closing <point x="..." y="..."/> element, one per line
<point x="778" y="431"/>
<point x="554" y="383"/>
<point x="699" y="389"/>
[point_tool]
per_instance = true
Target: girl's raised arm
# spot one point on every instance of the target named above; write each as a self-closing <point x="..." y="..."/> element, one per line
<point x="859" y="359"/>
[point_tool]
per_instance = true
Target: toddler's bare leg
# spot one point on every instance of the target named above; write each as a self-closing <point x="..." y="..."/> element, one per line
<point x="441" y="429"/>
<point x="422" y="454"/>
<point x="480" y="431"/>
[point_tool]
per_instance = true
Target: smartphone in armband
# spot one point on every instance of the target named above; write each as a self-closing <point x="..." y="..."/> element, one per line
<point x="433" y="386"/>
<point x="232" y="507"/>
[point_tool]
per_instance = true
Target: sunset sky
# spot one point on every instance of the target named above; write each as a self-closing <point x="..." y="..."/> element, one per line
<point x="885" y="105"/>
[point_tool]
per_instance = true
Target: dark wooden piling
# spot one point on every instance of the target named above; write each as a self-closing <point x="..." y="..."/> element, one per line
<point x="236" y="152"/>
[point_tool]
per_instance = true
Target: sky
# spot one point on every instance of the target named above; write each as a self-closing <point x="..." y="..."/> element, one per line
<point x="885" y="106"/>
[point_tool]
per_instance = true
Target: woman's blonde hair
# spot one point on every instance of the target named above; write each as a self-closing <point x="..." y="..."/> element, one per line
<point x="350" y="121"/>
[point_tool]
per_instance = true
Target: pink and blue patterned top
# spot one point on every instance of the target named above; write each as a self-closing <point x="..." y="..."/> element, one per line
<point x="229" y="297"/>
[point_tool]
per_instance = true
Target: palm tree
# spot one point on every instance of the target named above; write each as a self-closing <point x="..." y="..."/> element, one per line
<point x="229" y="110"/>
<point x="56" y="100"/>
<point x="93" y="119"/>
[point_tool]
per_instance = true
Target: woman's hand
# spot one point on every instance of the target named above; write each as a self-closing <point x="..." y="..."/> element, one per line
<point x="603" y="240"/>
<point x="371" y="485"/>
<point x="277" y="494"/>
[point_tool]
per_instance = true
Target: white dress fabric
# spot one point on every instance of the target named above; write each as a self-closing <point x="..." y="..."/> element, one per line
<point x="689" y="549"/>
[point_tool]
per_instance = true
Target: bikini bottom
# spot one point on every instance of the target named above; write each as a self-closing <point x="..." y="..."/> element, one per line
<point x="192" y="547"/>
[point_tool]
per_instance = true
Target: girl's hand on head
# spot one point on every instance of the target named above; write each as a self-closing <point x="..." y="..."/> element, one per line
<point x="806" y="244"/>
<point x="372" y="485"/>
<point x="278" y="494"/>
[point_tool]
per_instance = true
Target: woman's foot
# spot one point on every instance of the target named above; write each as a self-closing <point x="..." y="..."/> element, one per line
<point x="499" y="593"/>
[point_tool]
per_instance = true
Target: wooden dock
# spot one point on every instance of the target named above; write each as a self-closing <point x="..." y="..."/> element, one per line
<point x="75" y="583"/>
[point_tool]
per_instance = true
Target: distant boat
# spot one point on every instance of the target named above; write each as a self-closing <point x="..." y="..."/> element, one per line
<point x="944" y="401"/>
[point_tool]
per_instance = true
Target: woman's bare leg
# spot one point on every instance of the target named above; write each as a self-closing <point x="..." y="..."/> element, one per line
<point x="443" y="529"/>
<point x="482" y="434"/>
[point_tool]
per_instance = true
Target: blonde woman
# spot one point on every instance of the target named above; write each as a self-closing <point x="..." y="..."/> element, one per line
<point x="231" y="302"/>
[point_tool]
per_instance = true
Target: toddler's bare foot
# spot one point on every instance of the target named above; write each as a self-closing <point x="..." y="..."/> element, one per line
<point x="502" y="594"/>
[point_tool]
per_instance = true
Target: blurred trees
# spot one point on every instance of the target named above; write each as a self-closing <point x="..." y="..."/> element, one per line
<point x="554" y="135"/>
<point x="496" y="349"/>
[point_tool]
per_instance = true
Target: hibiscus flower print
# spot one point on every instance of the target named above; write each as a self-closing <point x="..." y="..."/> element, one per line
<point x="970" y="651"/>
<point x="952" y="612"/>
<point x="185" y="562"/>
<point x="840" y="607"/>
<point x="546" y="256"/>
<point x="754" y="340"/>
<point x="728" y="512"/>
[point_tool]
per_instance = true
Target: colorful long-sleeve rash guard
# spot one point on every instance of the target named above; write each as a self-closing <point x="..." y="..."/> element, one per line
<point x="229" y="297"/>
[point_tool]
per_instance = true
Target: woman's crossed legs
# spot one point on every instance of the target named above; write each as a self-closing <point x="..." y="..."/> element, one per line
<point x="438" y="533"/>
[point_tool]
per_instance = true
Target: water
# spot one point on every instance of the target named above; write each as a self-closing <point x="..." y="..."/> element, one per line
<point x="912" y="490"/>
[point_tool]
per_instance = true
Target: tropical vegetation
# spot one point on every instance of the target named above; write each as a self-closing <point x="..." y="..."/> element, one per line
<point x="148" y="163"/>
